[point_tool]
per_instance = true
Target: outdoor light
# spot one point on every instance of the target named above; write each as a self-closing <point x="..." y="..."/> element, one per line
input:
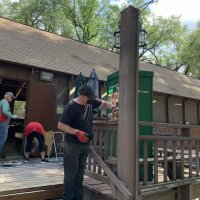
<point x="142" y="31"/>
<point x="142" y="36"/>
<point x="117" y="39"/>
<point x="46" y="76"/>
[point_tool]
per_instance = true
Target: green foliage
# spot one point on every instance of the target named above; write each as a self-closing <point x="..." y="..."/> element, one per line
<point x="19" y="108"/>
<point x="86" y="17"/>
<point x="43" y="14"/>
<point x="190" y="53"/>
<point x="4" y="8"/>
<point x="164" y="42"/>
<point x="110" y="24"/>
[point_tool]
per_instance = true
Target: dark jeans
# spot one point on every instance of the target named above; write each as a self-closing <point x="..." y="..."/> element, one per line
<point x="3" y="134"/>
<point x="40" y="139"/>
<point x="75" y="157"/>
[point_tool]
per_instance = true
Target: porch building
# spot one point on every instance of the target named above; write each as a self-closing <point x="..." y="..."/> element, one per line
<point x="40" y="68"/>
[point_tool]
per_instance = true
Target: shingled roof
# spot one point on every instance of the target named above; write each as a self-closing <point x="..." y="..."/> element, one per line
<point x="30" y="46"/>
<point x="172" y="82"/>
<point x="33" y="47"/>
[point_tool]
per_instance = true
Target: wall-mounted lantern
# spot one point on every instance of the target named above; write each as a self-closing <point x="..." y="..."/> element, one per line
<point x="117" y="39"/>
<point x="142" y="37"/>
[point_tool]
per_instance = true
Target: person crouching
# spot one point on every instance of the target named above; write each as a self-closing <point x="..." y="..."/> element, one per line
<point x="31" y="131"/>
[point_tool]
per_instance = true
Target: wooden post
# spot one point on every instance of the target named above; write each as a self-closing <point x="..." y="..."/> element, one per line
<point x="198" y="117"/>
<point x="183" y="111"/>
<point x="185" y="192"/>
<point x="127" y="169"/>
<point x="167" y="109"/>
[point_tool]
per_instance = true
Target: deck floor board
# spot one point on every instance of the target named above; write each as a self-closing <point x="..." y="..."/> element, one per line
<point x="36" y="178"/>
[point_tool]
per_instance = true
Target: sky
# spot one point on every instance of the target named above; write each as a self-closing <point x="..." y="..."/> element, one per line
<point x="187" y="9"/>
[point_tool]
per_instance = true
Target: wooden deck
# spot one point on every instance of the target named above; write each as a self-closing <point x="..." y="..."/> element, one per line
<point x="34" y="180"/>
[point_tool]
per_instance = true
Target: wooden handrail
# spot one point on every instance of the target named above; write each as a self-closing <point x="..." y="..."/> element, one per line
<point x="144" y="123"/>
<point x="169" y="138"/>
<point x="114" y="179"/>
<point x="172" y="147"/>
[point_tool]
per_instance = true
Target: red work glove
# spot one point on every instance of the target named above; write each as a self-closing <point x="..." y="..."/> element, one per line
<point x="82" y="136"/>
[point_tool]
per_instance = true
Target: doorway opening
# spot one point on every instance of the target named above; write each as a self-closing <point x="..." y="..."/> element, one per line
<point x="14" y="144"/>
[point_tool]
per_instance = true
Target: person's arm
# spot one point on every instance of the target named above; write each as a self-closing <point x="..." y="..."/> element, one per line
<point x="66" y="128"/>
<point x="6" y="111"/>
<point x="106" y="105"/>
<point x="82" y="136"/>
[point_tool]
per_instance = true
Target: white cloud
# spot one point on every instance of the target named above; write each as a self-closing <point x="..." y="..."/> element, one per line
<point x="188" y="10"/>
<point x="119" y="2"/>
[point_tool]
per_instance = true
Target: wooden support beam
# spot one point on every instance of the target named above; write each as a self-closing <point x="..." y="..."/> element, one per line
<point x="20" y="89"/>
<point x="127" y="169"/>
<point x="198" y="113"/>
<point x="183" y="111"/>
<point x="185" y="192"/>
<point x="167" y="109"/>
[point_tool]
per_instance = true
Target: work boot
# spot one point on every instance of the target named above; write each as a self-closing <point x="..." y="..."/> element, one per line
<point x="43" y="161"/>
<point x="26" y="160"/>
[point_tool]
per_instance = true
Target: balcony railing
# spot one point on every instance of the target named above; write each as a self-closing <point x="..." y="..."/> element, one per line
<point x="166" y="159"/>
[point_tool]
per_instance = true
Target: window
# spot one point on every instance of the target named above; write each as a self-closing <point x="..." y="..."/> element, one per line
<point x="19" y="108"/>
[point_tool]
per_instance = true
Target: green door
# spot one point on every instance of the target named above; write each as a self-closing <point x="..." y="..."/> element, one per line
<point x="145" y="110"/>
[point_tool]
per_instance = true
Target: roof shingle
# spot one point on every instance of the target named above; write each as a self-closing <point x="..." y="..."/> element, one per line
<point x="33" y="47"/>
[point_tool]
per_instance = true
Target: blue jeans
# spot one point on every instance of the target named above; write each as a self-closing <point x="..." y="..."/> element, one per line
<point x="75" y="157"/>
<point x="3" y="134"/>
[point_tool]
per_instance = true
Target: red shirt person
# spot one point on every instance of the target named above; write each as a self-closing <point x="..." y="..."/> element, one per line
<point x="34" y="127"/>
<point x="31" y="131"/>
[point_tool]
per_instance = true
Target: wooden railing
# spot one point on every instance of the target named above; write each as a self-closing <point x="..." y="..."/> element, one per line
<point x="104" y="147"/>
<point x="178" y="162"/>
<point x="104" y="143"/>
<point x="175" y="155"/>
<point x="170" y="158"/>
